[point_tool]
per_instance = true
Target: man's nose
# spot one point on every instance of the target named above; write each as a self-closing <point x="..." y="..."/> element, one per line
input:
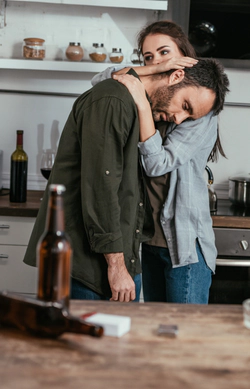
<point x="180" y="117"/>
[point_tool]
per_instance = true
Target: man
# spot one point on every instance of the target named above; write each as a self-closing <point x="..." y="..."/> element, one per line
<point x="106" y="207"/>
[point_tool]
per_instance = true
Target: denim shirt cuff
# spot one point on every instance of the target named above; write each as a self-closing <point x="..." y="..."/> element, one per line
<point x="152" y="145"/>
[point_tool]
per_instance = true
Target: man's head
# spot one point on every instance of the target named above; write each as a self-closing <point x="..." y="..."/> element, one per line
<point x="190" y="93"/>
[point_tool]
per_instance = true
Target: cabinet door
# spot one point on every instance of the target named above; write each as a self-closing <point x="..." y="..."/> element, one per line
<point x="15" y="275"/>
<point x="15" y="230"/>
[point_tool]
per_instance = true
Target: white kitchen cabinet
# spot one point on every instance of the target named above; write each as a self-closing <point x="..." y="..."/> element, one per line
<point x="16" y="276"/>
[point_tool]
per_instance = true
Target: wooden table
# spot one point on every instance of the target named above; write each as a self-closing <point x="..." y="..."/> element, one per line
<point x="212" y="350"/>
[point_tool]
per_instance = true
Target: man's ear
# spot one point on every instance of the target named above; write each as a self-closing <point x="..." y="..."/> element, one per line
<point x="176" y="77"/>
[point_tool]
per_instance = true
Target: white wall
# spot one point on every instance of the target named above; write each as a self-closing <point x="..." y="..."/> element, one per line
<point x="42" y="117"/>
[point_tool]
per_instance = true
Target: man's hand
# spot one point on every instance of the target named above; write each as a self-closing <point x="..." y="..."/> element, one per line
<point x="121" y="283"/>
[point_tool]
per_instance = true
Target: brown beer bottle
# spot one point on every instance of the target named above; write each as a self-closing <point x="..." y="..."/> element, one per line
<point x="42" y="318"/>
<point x="54" y="253"/>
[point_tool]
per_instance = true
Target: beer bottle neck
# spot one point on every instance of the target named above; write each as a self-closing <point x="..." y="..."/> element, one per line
<point x="78" y="326"/>
<point x="55" y="218"/>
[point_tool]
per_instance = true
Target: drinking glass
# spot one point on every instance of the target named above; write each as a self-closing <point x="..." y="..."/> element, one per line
<point x="47" y="161"/>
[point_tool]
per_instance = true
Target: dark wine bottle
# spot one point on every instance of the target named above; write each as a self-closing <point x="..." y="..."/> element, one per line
<point x="54" y="252"/>
<point x="18" y="171"/>
<point x="41" y="318"/>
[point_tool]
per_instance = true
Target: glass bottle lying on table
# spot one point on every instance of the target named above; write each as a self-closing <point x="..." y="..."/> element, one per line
<point x="46" y="319"/>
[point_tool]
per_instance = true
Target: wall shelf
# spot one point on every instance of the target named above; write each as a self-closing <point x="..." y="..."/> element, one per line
<point x="159" y="5"/>
<point x="59" y="66"/>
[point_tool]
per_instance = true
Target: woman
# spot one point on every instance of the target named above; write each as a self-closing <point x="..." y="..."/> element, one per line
<point x="177" y="264"/>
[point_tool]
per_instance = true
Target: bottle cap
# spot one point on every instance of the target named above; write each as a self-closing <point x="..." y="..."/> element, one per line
<point x="58" y="188"/>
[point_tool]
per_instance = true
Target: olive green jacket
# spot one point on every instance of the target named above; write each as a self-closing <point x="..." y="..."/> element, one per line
<point x="106" y="204"/>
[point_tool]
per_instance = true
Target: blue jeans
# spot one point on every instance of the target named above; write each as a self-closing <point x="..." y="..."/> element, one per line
<point x="161" y="282"/>
<point x="81" y="292"/>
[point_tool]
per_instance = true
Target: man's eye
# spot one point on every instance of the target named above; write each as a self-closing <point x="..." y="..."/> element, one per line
<point x="185" y="107"/>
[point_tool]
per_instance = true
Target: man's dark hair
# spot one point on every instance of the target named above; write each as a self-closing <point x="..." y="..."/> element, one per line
<point x="208" y="73"/>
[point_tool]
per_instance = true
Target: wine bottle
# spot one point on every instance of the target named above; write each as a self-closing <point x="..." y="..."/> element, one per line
<point x="41" y="318"/>
<point x="18" y="171"/>
<point x="54" y="252"/>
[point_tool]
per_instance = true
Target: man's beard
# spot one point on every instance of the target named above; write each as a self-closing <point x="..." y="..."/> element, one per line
<point x="161" y="100"/>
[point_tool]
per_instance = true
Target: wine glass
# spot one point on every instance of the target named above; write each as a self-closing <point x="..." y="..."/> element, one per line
<point x="47" y="161"/>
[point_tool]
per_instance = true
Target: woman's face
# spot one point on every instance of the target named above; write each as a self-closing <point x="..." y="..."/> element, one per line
<point x="158" y="48"/>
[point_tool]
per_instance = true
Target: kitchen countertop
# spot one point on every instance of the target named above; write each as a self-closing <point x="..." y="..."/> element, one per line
<point x="225" y="217"/>
<point x="28" y="209"/>
<point x="211" y="350"/>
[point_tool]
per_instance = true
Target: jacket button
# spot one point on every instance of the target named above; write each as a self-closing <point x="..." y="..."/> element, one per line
<point x="140" y="204"/>
<point x="107" y="172"/>
<point x="132" y="260"/>
<point x="137" y="231"/>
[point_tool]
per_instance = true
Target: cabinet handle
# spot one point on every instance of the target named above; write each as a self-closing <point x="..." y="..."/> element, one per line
<point x="3" y="259"/>
<point x="4" y="226"/>
<point x="231" y="262"/>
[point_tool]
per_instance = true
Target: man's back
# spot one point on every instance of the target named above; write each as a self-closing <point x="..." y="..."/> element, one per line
<point x="97" y="161"/>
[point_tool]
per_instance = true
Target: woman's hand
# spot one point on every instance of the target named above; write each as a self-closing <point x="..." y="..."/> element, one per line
<point x="136" y="89"/>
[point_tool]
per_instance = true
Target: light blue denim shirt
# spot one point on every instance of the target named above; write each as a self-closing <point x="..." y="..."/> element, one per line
<point x="107" y="73"/>
<point x="185" y="215"/>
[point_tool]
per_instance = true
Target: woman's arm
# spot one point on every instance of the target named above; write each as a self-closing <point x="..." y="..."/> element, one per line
<point x="137" y="90"/>
<point x="184" y="141"/>
<point x="107" y="73"/>
<point x="171" y="63"/>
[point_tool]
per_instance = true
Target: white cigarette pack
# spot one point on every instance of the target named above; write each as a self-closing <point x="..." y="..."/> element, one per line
<point x="113" y="325"/>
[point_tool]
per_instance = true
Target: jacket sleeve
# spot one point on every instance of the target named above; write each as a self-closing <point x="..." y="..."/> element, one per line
<point x="103" y="135"/>
<point x="107" y="73"/>
<point x="181" y="143"/>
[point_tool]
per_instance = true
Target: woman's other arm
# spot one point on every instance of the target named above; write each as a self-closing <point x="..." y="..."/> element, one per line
<point x="172" y="63"/>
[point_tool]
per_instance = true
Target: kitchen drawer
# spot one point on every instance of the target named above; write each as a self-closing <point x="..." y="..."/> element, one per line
<point x="15" y="230"/>
<point x="15" y="275"/>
